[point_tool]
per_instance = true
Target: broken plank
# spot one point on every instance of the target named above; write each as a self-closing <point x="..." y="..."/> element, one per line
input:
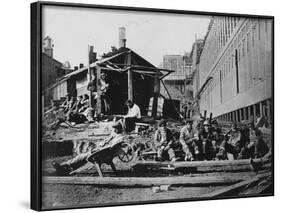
<point x="223" y="179"/>
<point x="227" y="191"/>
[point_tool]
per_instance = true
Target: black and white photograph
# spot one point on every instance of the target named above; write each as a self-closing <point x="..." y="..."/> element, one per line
<point x="139" y="106"/>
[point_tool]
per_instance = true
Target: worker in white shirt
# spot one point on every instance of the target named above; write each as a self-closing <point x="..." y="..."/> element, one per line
<point x="133" y="115"/>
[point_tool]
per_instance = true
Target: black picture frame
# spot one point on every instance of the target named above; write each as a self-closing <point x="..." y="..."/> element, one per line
<point x="36" y="104"/>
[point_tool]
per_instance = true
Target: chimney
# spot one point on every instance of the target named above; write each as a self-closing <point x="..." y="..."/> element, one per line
<point x="48" y="46"/>
<point x="92" y="55"/>
<point x="122" y="37"/>
<point x="76" y="68"/>
<point x="81" y="66"/>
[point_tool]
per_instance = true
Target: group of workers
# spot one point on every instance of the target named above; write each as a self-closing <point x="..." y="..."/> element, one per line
<point x="198" y="140"/>
<point x="204" y="140"/>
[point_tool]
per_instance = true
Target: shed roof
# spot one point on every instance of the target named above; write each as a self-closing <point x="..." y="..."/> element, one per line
<point x="117" y="62"/>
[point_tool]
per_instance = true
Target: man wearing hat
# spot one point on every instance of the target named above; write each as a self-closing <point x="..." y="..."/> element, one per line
<point x="163" y="140"/>
<point x="103" y="88"/>
<point x="205" y="142"/>
<point x="234" y="144"/>
<point x="188" y="138"/>
<point x="80" y="160"/>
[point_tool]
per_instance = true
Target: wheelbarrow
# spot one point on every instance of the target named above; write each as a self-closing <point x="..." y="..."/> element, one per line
<point x="123" y="150"/>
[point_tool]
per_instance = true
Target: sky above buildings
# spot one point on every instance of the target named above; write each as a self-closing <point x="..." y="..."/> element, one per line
<point x="151" y="35"/>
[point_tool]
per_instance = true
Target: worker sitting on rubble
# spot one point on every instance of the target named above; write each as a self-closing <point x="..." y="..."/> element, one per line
<point x="87" y="110"/>
<point x="133" y="115"/>
<point x="188" y="138"/>
<point x="232" y="144"/>
<point x="164" y="142"/>
<point x="66" y="102"/>
<point x="256" y="148"/>
<point x="206" y="141"/>
<point x="78" y="104"/>
<point x="66" y="167"/>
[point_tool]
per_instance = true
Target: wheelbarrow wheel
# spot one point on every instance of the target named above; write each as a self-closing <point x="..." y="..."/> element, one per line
<point x="127" y="153"/>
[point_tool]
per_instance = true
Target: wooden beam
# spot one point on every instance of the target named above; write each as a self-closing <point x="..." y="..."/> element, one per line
<point x="261" y="109"/>
<point x="226" y="191"/>
<point x="197" y="163"/>
<point x="224" y="179"/>
<point x="249" y="112"/>
<point x="246" y="117"/>
<point x="240" y="114"/>
<point x="130" y="77"/>
<point x="268" y="109"/>
<point x="236" y="116"/>
<point x="255" y="112"/>
<point x="198" y="166"/>
<point x="156" y="95"/>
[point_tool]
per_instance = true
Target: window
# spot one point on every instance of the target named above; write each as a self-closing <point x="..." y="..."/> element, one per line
<point x="248" y="42"/>
<point x="243" y="47"/>
<point x="253" y="35"/>
<point x="259" y="29"/>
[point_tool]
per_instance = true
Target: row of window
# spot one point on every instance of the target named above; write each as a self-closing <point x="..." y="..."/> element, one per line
<point x="227" y="64"/>
<point x="249" y="35"/>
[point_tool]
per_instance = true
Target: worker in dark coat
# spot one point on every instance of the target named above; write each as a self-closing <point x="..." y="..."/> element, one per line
<point x="205" y="142"/>
<point x="256" y="147"/>
<point x="234" y="143"/>
<point x="164" y="142"/>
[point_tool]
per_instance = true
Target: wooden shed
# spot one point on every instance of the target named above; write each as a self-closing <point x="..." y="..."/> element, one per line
<point x="131" y="77"/>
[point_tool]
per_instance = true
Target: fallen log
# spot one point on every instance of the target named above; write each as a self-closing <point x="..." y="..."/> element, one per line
<point x="197" y="166"/>
<point x="224" y="179"/>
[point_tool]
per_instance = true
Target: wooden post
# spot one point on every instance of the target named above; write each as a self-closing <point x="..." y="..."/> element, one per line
<point x="235" y="116"/>
<point x="205" y="114"/>
<point x="249" y="112"/>
<point x="89" y="76"/>
<point x="98" y="110"/>
<point x="156" y="94"/>
<point x="268" y="108"/>
<point x="261" y="109"/>
<point x="245" y="113"/>
<point x="240" y="114"/>
<point x="255" y="112"/>
<point x="130" y="78"/>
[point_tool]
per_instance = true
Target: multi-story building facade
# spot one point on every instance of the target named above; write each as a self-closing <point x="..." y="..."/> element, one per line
<point x="178" y="83"/>
<point x="235" y="68"/>
<point x="195" y="55"/>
